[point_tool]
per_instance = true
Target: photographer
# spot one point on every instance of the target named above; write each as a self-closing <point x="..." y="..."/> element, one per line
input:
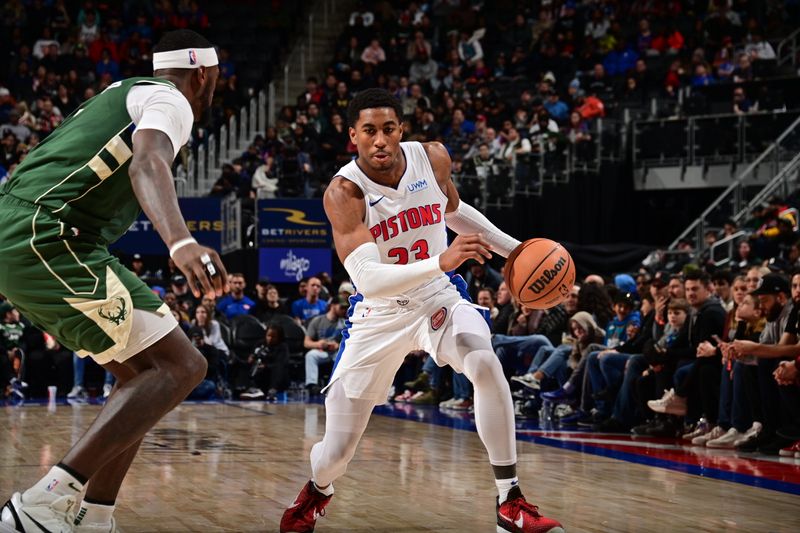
<point x="268" y="366"/>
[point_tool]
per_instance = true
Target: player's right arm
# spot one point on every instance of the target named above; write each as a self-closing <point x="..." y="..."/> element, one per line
<point x="151" y="178"/>
<point x="344" y="204"/>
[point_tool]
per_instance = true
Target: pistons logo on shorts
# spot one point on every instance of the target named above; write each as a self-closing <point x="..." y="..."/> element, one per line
<point x="437" y="319"/>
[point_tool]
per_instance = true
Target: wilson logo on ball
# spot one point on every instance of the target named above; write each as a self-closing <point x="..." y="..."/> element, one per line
<point x="547" y="276"/>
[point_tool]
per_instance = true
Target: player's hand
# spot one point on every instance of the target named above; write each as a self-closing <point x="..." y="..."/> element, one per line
<point x="464" y="247"/>
<point x="192" y="259"/>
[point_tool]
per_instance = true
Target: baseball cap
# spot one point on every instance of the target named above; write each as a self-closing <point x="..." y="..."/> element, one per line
<point x="772" y="284"/>
<point x="137" y="257"/>
<point x="178" y="279"/>
<point x="5" y="307"/>
<point x="195" y="331"/>
<point x="660" y="279"/>
<point x="625" y="298"/>
<point x="347" y="287"/>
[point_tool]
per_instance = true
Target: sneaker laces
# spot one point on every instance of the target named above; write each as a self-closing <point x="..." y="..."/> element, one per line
<point x="520" y="504"/>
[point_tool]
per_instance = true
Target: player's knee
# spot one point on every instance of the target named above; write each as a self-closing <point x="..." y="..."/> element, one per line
<point x="483" y="366"/>
<point x="196" y="367"/>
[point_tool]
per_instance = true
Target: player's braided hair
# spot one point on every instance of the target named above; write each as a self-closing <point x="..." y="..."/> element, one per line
<point x="369" y="99"/>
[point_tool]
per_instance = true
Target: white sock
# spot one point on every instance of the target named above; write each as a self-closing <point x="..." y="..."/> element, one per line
<point x="504" y="486"/>
<point x="327" y="491"/>
<point x="94" y="513"/>
<point x="57" y="483"/>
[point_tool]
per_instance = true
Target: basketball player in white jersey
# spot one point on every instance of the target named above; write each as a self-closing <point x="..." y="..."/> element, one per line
<point x="389" y="210"/>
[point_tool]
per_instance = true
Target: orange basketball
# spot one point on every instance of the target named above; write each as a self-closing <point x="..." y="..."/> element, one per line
<point x="540" y="273"/>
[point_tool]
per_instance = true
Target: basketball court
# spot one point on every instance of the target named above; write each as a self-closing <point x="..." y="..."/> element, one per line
<point x="235" y="466"/>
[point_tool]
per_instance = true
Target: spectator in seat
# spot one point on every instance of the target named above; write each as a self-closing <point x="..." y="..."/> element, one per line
<point x="306" y="308"/>
<point x="722" y="280"/>
<point x="687" y="369"/>
<point x="479" y="276"/>
<point x="236" y="303"/>
<point x="373" y="54"/>
<point x="741" y="103"/>
<point x="557" y="109"/>
<point x="269" y="366"/>
<point x="759" y="49"/>
<point x="744" y="257"/>
<point x="180" y="288"/>
<point x="781" y="306"/>
<point x="268" y="302"/>
<point x="212" y="334"/>
<point x="323" y="335"/>
<point x="207" y="388"/>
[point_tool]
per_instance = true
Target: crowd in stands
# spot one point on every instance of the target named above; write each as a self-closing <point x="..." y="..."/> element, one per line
<point x="56" y="54"/>
<point x="682" y="349"/>
<point x="505" y="90"/>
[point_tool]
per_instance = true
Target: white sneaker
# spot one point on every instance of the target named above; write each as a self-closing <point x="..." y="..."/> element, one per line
<point x="715" y="433"/>
<point x="86" y="527"/>
<point x="252" y="394"/>
<point x="751" y="433"/>
<point x="725" y="441"/>
<point x="701" y="429"/>
<point x="448" y="404"/>
<point x="670" y="403"/>
<point x="107" y="390"/>
<point x="55" y="517"/>
<point x="76" y="392"/>
<point x="528" y="381"/>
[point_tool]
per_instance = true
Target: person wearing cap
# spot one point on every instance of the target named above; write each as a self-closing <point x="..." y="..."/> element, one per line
<point x="322" y="339"/>
<point x="180" y="288"/>
<point x="779" y="341"/>
<point x="71" y="198"/>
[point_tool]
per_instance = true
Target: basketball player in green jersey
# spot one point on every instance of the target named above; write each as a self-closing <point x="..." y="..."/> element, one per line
<point x="75" y="193"/>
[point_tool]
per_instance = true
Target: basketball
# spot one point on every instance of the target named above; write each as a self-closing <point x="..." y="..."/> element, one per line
<point x="540" y="273"/>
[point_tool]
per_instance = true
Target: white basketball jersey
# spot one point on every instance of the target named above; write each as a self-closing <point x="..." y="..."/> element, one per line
<point x="407" y="222"/>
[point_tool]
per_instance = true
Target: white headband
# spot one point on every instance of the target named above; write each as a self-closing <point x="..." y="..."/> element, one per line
<point x="185" y="58"/>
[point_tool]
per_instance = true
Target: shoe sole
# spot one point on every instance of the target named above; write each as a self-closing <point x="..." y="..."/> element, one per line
<point x="6" y="528"/>
<point x="786" y="454"/>
<point x="501" y="529"/>
<point x="722" y="446"/>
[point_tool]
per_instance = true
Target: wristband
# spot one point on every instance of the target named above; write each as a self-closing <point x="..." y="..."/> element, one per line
<point x="180" y="244"/>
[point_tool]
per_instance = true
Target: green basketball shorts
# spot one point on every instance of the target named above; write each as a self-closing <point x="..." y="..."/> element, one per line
<point x="69" y="285"/>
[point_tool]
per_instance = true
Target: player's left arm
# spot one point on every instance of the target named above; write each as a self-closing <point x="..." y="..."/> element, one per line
<point x="460" y="216"/>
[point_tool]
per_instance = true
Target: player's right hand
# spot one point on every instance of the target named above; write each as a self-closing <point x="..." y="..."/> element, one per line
<point x="189" y="259"/>
<point x="464" y="247"/>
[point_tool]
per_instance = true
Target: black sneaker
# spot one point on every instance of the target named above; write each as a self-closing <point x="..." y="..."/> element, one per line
<point x="752" y="445"/>
<point x="590" y="420"/>
<point x="642" y="429"/>
<point x="665" y="428"/>
<point x="611" y="425"/>
<point x="774" y="445"/>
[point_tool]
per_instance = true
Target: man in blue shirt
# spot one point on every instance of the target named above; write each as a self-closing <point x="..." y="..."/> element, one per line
<point x="235" y="303"/>
<point x="307" y="308"/>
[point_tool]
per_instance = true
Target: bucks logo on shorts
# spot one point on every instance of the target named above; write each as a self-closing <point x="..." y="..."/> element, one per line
<point x="114" y="311"/>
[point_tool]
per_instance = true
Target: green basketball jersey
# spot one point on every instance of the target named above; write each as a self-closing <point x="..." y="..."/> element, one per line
<point x="80" y="171"/>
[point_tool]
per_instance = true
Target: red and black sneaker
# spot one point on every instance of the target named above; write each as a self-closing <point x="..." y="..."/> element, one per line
<point x="301" y="516"/>
<point x="515" y="515"/>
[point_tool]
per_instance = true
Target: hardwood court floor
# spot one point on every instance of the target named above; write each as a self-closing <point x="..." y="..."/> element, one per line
<point x="234" y="467"/>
